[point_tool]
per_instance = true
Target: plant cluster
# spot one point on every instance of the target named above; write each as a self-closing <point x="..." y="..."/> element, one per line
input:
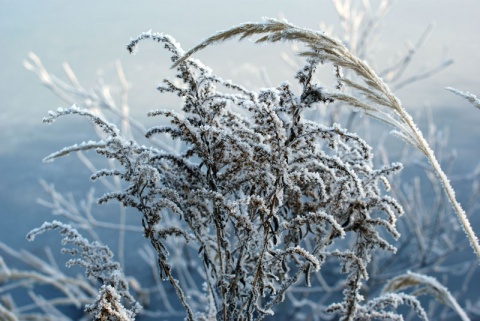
<point x="255" y="183"/>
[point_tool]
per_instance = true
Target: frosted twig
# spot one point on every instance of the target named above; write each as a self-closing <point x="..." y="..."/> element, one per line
<point x="468" y="96"/>
<point x="427" y="285"/>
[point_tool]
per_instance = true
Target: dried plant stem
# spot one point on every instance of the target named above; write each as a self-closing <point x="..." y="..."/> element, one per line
<point x="425" y="285"/>
<point x="166" y="269"/>
<point x="423" y="146"/>
<point x="429" y="154"/>
<point x="466" y="95"/>
<point x="179" y="292"/>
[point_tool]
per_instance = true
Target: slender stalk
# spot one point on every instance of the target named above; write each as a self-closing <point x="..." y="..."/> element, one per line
<point x="429" y="154"/>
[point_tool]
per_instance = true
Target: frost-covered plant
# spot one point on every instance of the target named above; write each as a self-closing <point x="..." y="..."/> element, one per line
<point x="468" y="96"/>
<point x="255" y="183"/>
<point x="425" y="285"/>
<point x="99" y="266"/>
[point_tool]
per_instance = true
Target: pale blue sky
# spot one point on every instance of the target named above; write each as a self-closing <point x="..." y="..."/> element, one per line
<point x="90" y="35"/>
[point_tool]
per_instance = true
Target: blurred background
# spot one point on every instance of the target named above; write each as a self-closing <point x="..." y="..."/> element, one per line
<point x="91" y="36"/>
